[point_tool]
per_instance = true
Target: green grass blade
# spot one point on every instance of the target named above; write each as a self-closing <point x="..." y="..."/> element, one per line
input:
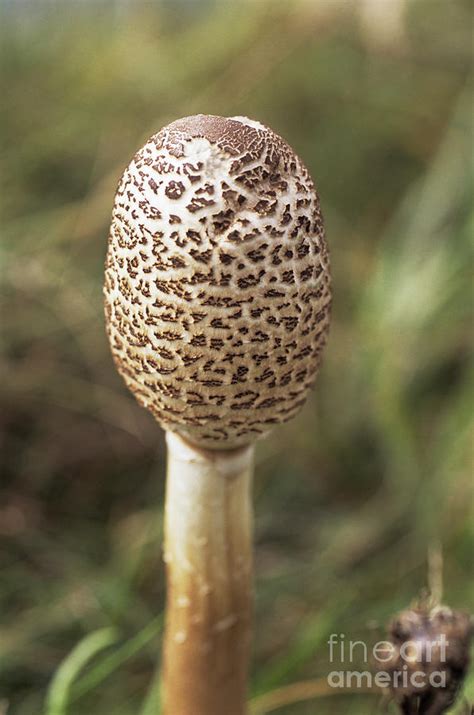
<point x="58" y="697"/>
<point x="309" y="637"/>
<point x="113" y="661"/>
<point x="152" y="704"/>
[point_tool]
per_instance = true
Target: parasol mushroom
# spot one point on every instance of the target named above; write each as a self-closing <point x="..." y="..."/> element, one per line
<point x="217" y="300"/>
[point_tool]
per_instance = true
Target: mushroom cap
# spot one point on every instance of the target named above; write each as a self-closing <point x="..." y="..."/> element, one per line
<point x="217" y="283"/>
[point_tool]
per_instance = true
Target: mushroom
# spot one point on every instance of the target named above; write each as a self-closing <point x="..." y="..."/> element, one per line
<point x="217" y="301"/>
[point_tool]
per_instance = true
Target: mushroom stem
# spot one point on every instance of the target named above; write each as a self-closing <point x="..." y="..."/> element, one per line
<point x="208" y="553"/>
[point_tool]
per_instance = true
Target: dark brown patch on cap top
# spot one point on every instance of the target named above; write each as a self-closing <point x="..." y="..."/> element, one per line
<point x="231" y="135"/>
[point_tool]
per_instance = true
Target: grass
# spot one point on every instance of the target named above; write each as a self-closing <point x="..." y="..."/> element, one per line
<point x="352" y="495"/>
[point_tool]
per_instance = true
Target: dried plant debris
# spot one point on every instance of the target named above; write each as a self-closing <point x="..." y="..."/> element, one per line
<point x="429" y="658"/>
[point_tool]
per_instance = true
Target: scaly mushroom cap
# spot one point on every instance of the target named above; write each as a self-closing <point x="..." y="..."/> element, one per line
<point x="217" y="284"/>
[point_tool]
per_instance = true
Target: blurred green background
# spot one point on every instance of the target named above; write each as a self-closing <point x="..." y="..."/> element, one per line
<point x="373" y="476"/>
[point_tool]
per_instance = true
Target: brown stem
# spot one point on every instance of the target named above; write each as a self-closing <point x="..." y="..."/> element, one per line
<point x="208" y="553"/>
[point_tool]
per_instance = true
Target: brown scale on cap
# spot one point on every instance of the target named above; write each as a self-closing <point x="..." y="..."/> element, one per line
<point x="217" y="288"/>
